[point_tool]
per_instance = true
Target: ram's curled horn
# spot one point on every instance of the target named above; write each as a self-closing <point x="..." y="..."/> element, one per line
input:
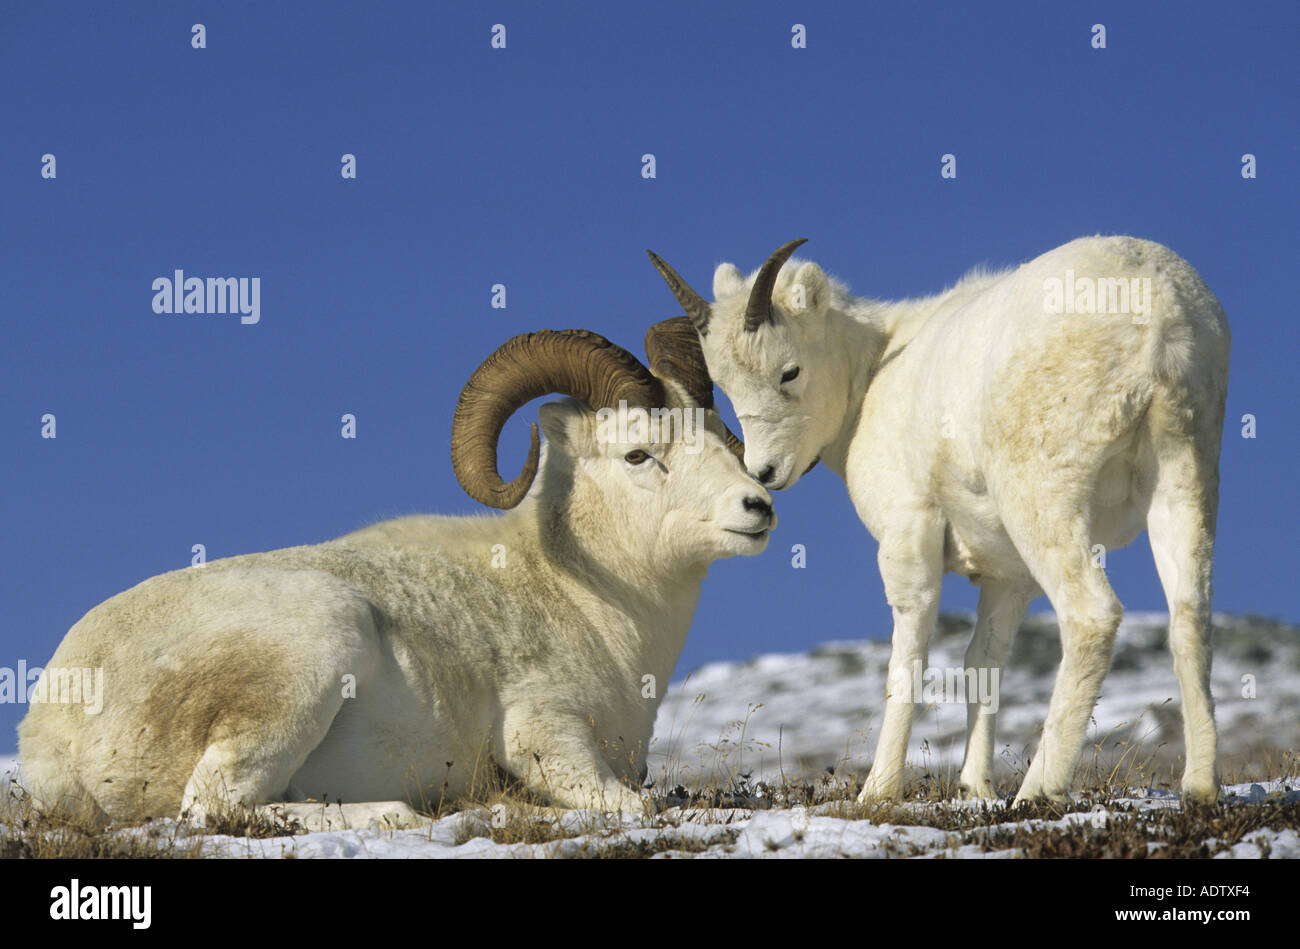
<point x="578" y="363"/>
<point x="673" y="349"/>
<point x="695" y="305"/>
<point x="759" y="308"/>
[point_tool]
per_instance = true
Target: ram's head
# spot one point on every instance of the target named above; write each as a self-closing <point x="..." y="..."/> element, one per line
<point x="641" y="449"/>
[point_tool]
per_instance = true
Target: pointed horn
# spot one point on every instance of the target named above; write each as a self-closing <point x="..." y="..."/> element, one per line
<point x="572" y="362"/>
<point x="695" y="305"/>
<point x="759" y="309"/>
<point x="673" y="350"/>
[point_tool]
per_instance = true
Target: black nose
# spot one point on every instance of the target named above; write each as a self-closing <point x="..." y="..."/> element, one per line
<point x="767" y="474"/>
<point x="759" y="505"/>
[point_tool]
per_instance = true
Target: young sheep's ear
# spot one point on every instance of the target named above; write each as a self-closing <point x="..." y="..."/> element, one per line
<point x="567" y="425"/>
<point x="808" y="292"/>
<point x="727" y="280"/>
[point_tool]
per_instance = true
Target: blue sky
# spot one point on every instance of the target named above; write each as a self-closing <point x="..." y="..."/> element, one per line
<point x="522" y="166"/>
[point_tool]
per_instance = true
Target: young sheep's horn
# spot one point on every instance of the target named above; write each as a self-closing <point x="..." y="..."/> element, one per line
<point x="695" y="305"/>
<point x="759" y="308"/>
<point x="578" y="363"/>
<point x="673" y="350"/>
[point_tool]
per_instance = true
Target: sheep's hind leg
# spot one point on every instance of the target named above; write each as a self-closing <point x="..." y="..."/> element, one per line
<point x="1180" y="525"/>
<point x="246" y="769"/>
<point x="257" y="717"/>
<point x="1002" y="608"/>
<point x="1054" y="541"/>
<point x="259" y="748"/>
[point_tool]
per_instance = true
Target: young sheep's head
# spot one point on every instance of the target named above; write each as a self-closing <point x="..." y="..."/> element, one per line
<point x="764" y="342"/>
<point x="640" y="454"/>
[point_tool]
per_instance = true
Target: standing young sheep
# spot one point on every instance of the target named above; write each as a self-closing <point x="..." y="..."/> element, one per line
<point x="1010" y="429"/>
<point x="393" y="663"/>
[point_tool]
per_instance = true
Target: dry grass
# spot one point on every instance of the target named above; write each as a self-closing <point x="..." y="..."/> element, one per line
<point x="1168" y="832"/>
<point x="27" y="833"/>
<point x="252" y="822"/>
<point x="627" y="849"/>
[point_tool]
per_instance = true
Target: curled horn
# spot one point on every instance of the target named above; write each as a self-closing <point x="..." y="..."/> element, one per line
<point x="673" y="349"/>
<point x="759" y="308"/>
<point x="577" y="363"/>
<point x="695" y="306"/>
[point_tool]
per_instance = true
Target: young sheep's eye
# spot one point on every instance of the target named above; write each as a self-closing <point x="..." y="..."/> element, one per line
<point x="636" y="457"/>
<point x="790" y="375"/>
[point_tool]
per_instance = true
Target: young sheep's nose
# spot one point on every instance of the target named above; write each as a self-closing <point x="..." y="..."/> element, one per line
<point x="766" y="475"/>
<point x="759" y="505"/>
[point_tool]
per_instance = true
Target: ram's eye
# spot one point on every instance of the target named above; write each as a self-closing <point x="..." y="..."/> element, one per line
<point x="636" y="457"/>
<point x="790" y="375"/>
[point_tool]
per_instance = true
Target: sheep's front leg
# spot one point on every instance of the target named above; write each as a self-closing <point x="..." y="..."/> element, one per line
<point x="911" y="565"/>
<point x="557" y="756"/>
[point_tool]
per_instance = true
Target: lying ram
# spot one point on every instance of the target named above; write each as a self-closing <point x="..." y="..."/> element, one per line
<point x="1011" y="429"/>
<point x="393" y="663"/>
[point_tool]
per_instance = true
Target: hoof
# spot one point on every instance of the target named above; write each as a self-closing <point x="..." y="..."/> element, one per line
<point x="976" y="791"/>
<point x="1201" y="793"/>
<point x="874" y="795"/>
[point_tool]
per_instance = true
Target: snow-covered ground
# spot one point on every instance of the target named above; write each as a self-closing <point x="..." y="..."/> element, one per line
<point x="777" y="833"/>
<point x="720" y="832"/>
<point x="781" y="717"/>
<point x="822" y="708"/>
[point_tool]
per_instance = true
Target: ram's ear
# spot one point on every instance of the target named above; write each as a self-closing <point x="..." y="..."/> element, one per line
<point x="727" y="280"/>
<point x="809" y="292"/>
<point x="567" y="425"/>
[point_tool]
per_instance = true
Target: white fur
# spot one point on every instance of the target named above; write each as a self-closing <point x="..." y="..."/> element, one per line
<point x="980" y="432"/>
<point x="539" y="641"/>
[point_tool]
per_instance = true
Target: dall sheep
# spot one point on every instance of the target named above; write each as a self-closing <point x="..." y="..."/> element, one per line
<point x="1011" y="429"/>
<point x="394" y="662"/>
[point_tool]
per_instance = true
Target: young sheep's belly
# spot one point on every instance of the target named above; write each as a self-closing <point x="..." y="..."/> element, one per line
<point x="976" y="543"/>
<point x="976" y="550"/>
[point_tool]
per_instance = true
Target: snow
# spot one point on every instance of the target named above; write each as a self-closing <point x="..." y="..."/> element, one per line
<point x="779" y="834"/>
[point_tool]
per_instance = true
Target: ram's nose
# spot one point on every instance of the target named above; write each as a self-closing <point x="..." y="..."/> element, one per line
<point x="759" y="505"/>
<point x="762" y="506"/>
